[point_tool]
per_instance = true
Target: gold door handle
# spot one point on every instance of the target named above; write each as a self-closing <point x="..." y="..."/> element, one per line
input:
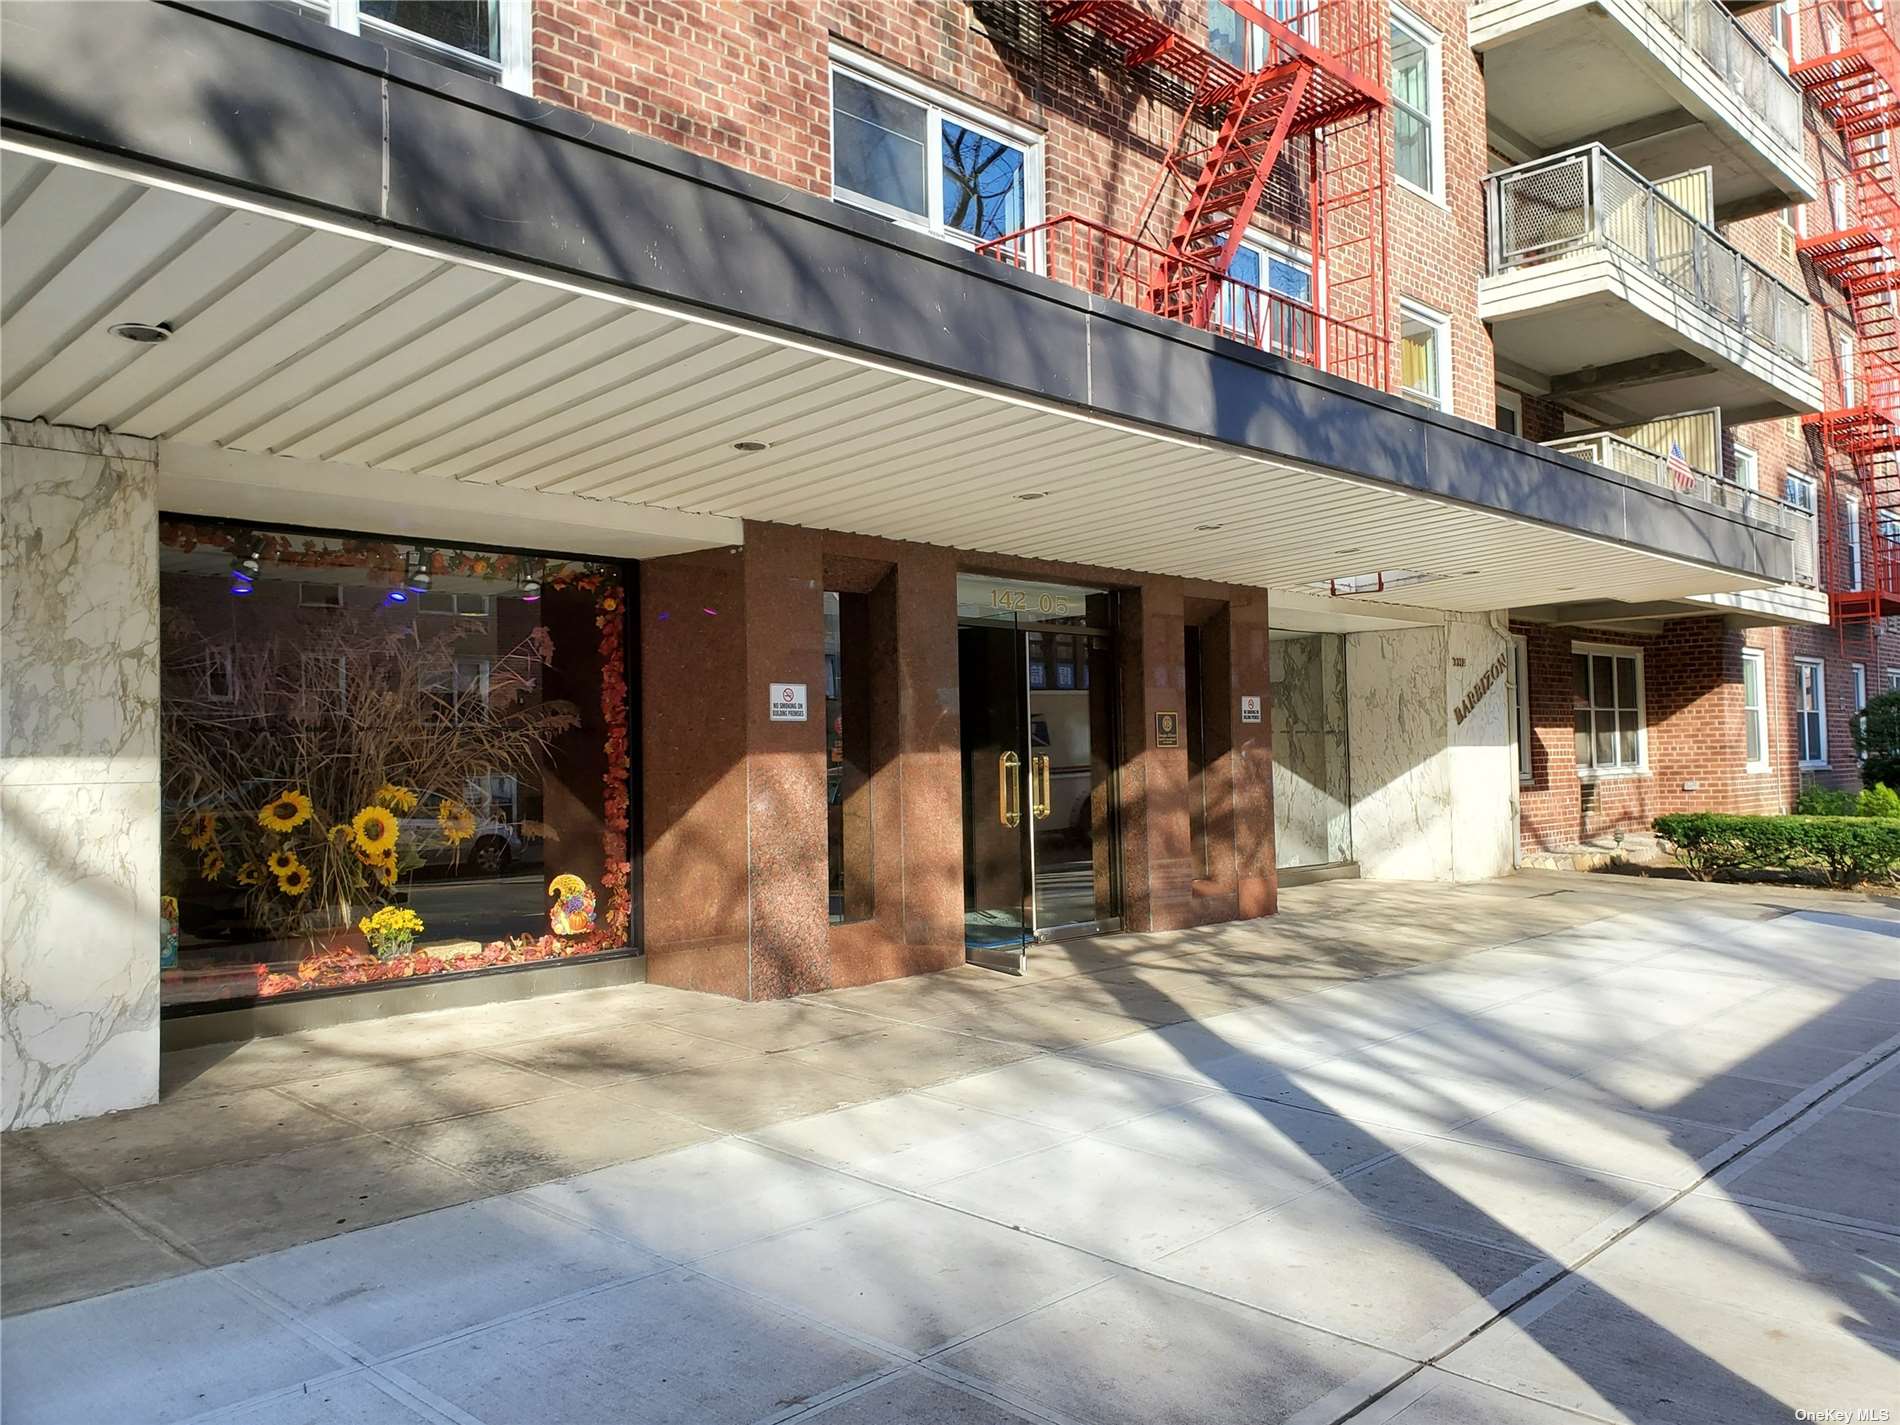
<point x="1039" y="772"/>
<point x="1008" y="798"/>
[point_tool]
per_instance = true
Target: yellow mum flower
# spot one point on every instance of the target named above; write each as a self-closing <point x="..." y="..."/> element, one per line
<point x="287" y="811"/>
<point x="375" y="830"/>
<point x="394" y="797"/>
<point x="295" y="881"/>
<point x="282" y="863"/>
<point x="456" y="820"/>
<point x="199" y="831"/>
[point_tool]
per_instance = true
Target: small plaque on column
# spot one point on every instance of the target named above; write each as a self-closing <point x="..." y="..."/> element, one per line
<point x="1167" y="729"/>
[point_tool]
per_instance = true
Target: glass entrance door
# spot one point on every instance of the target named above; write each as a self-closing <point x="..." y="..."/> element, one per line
<point x="1037" y="696"/>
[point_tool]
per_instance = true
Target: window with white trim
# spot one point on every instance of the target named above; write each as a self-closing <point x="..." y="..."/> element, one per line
<point x="1747" y="468"/>
<point x="1424" y="356"/>
<point x="1798" y="490"/>
<point x="1418" y="128"/>
<point x="928" y="161"/>
<point x="487" y="38"/>
<point x="1608" y="702"/>
<point x="1844" y="367"/>
<point x="1850" y="539"/>
<point x="1755" y="709"/>
<point x="1810" y="711"/>
<point x="1788" y="31"/>
<point x="1893" y="680"/>
<point x="1244" y="44"/>
<point x="1281" y="269"/>
<point x="1509" y="411"/>
<point x="1521" y="702"/>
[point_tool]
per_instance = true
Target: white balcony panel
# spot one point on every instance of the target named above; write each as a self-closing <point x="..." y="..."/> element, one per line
<point x="1671" y="85"/>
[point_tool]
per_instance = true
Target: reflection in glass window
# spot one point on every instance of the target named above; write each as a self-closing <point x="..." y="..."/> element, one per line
<point x="468" y="25"/>
<point x="983" y="184"/>
<point x="1609" y="712"/>
<point x="878" y="144"/>
<point x="1415" y="105"/>
<point x="1422" y="341"/>
<point x="356" y="792"/>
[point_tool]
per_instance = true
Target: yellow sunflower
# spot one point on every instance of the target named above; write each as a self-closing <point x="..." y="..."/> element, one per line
<point x="287" y="811"/>
<point x="394" y="797"/>
<point x="212" y="866"/>
<point x="282" y="863"/>
<point x="385" y="868"/>
<point x="456" y="820"/>
<point x="295" y="881"/>
<point x="250" y="874"/>
<point x="375" y="830"/>
<point x="199" y="831"/>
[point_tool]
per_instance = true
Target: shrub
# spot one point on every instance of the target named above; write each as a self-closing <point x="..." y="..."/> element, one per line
<point x="1877" y="739"/>
<point x="1817" y="800"/>
<point x="1846" y="850"/>
<point x="1878" y="800"/>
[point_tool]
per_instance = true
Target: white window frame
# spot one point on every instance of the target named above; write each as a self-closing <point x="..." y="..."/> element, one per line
<point x="1639" y="768"/>
<point x="1756" y="715"/>
<point x="514" y="20"/>
<point x="1440" y="324"/>
<point x="1819" y="668"/>
<point x="1844" y="356"/>
<point x="1893" y="680"/>
<point x="1504" y="398"/>
<point x="1850" y="517"/>
<point x="937" y="106"/>
<point x="1804" y="482"/>
<point x="1788" y="20"/>
<point x="1747" y="469"/>
<point x="1434" y="45"/>
<point x="1521" y="705"/>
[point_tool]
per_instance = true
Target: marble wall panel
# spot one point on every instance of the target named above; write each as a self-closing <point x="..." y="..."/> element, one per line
<point x="79" y="792"/>
<point x="1397" y="741"/>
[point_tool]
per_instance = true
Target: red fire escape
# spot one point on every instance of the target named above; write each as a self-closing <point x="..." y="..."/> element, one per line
<point x="1853" y="77"/>
<point x="1297" y="143"/>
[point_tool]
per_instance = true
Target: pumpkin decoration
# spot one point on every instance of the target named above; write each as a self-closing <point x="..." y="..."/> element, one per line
<point x="573" y="910"/>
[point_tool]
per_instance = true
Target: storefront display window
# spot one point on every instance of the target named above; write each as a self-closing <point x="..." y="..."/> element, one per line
<point x="385" y="760"/>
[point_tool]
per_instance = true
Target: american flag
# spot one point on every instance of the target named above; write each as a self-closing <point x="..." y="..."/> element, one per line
<point x="1680" y="475"/>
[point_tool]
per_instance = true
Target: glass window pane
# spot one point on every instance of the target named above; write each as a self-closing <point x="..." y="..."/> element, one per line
<point x="1626" y="683"/>
<point x="1289" y="280"/>
<point x="372" y="792"/>
<point x="467" y="25"/>
<point x="1418" y="360"/>
<point x="1412" y="148"/>
<point x="1626" y="736"/>
<point x="1584" y="758"/>
<point x="1751" y="682"/>
<point x="985" y="185"/>
<point x="1226" y="34"/>
<point x="1411" y="70"/>
<point x="1606" y="742"/>
<point x="878" y="144"/>
<point x="1603" y="676"/>
<point x="1756" y="752"/>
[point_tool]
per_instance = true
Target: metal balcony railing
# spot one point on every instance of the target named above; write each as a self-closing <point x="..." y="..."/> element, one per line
<point x="1614" y="453"/>
<point x="1739" y="60"/>
<point x="1589" y="199"/>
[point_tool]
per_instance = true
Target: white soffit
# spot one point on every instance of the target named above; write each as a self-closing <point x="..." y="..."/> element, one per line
<point x="299" y="338"/>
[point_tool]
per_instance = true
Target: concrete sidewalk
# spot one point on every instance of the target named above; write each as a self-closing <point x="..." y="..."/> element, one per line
<point x="1549" y="1148"/>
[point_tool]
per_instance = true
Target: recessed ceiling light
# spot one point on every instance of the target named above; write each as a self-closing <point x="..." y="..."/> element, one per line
<point x="752" y="447"/>
<point x="1209" y="526"/>
<point x="1033" y="495"/>
<point x="144" y="333"/>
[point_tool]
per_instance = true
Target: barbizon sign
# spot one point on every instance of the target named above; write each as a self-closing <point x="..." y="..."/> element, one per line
<point x="1468" y="704"/>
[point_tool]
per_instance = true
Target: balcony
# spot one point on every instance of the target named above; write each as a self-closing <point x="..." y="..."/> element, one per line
<point x="1669" y="84"/>
<point x="1625" y="305"/>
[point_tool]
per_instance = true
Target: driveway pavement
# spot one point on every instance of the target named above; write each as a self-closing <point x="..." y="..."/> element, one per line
<point x="1542" y="1150"/>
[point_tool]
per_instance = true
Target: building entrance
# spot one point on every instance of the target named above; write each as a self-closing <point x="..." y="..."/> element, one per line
<point x="1036" y="668"/>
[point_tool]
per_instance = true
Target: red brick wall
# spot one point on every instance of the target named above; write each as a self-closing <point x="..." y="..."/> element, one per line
<point x="1695" y="731"/>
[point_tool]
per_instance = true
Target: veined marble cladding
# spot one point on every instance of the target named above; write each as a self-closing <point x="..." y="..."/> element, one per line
<point x="1401" y="770"/>
<point x="79" y="789"/>
<point x="1483" y="749"/>
<point x="1312" y="823"/>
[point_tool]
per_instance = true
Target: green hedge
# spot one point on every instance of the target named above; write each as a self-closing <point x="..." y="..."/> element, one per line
<point x="1845" y="849"/>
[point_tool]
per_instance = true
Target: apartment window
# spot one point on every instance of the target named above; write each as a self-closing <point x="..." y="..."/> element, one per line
<point x="1747" y="468"/>
<point x="1798" y="490"/>
<point x="1608" y="704"/>
<point x="1860" y="690"/>
<point x="1424" y="356"/>
<point x="1893" y="680"/>
<point x="464" y="605"/>
<point x="1285" y="271"/>
<point x="319" y="596"/>
<point x="1417" y="106"/>
<point x="1521" y="702"/>
<point x="923" y="161"/>
<point x="1755" y="708"/>
<point x="1850" y="539"/>
<point x="1510" y="412"/>
<point x="486" y="38"/>
<point x="1810" y="711"/>
<point x="1844" y="367"/>
<point x="1837" y="203"/>
<point x="1788" y="30"/>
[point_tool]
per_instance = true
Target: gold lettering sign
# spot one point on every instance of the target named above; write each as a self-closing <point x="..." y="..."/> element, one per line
<point x="1034" y="601"/>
